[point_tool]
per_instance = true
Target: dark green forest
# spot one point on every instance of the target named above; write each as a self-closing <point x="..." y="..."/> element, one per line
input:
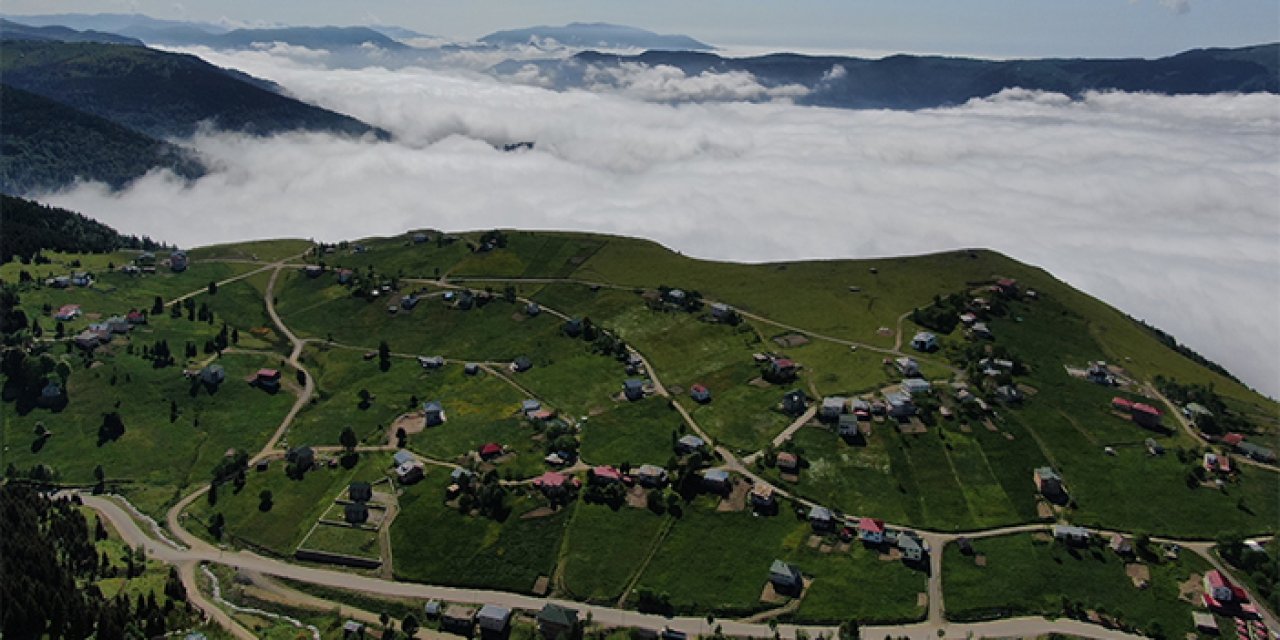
<point x="47" y="145"/>
<point x="30" y="227"/>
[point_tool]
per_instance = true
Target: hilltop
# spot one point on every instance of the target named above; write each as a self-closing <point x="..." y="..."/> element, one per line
<point x="532" y="398"/>
<point x="595" y="35"/>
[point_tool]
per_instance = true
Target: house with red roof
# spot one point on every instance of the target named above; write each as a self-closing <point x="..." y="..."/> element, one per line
<point x="1145" y="415"/>
<point x="268" y="379"/>
<point x="871" y="530"/>
<point x="554" y="483"/>
<point x="67" y="312"/>
<point x="1220" y="593"/>
<point x="1122" y="404"/>
<point x="136" y="317"/>
<point x="605" y="474"/>
<point x="1233" y="439"/>
<point x="490" y="450"/>
<point x="700" y="394"/>
<point x="1007" y="286"/>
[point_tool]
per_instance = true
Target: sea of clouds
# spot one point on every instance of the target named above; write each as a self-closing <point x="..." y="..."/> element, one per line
<point x="1166" y="207"/>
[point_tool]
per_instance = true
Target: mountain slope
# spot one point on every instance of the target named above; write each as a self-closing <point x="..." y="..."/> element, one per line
<point x="48" y="145"/>
<point x="31" y="227"/>
<point x="920" y="82"/>
<point x="10" y="30"/>
<point x="158" y="93"/>
<point x="596" y="34"/>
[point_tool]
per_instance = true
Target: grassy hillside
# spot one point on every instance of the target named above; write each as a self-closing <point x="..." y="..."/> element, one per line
<point x="48" y="145"/>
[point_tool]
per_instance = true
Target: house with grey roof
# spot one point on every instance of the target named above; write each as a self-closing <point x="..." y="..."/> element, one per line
<point x="434" y="413"/>
<point x="912" y="548"/>
<point x="715" y="480"/>
<point x="832" y="408"/>
<point x="916" y="387"/>
<point x="493" y="620"/>
<point x="689" y="443"/>
<point x="821" y="518"/>
<point x="651" y="475"/>
<point x="785" y="578"/>
<point x="1070" y="534"/>
<point x="924" y="341"/>
<point x="794" y="402"/>
<point x="555" y="621"/>
<point x="633" y="389"/>
<point x="356" y="512"/>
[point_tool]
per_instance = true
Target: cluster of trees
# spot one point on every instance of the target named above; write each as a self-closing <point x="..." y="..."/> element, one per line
<point x="1223" y="419"/>
<point x="30" y="227"/>
<point x="1169" y="341"/>
<point x="491" y="240"/>
<point x="1262" y="567"/>
<point x="485" y="495"/>
<point x="48" y="566"/>
<point x="26" y="374"/>
<point x="692" y="301"/>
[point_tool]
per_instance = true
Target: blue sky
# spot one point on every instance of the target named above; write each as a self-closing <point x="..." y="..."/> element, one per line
<point x="1002" y="28"/>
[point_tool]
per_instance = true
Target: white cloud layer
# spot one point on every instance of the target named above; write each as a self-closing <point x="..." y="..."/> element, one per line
<point x="1163" y="206"/>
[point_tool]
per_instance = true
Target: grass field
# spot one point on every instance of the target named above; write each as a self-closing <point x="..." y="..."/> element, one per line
<point x="636" y="432"/>
<point x="605" y="548"/>
<point x="1025" y="577"/>
<point x="256" y="250"/>
<point x="435" y="544"/>
<point x="296" y="504"/>
<point x="360" y="543"/>
<point x="719" y="562"/>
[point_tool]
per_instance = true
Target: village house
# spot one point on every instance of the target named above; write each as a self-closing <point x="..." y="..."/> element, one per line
<point x="572" y="327"/>
<point x="521" y="364"/>
<point x="1220" y="594"/>
<point x="916" y="387"/>
<point x="968" y="318"/>
<point x="490" y="450"/>
<point x="650" y="475"/>
<point x="493" y="620"/>
<point x="51" y="395"/>
<point x="722" y="312"/>
<point x="832" y="408"/>
<point x="529" y="406"/>
<point x="1232" y="439"/>
<point x="360" y="491"/>
<point x="1007" y="287"/>
<point x="554" y="484"/>
<point x="782" y="369"/>
<point x="459" y="619"/>
<point x="409" y="301"/>
<point x="313" y="270"/>
<point x="689" y="443"/>
<point x="821" y="519"/>
<point x="460" y="475"/>
<point x="785" y="578"/>
<point x="1215" y="463"/>
<point x="267" y="380"/>
<point x="900" y="405"/>
<point x="676" y="296"/>
<point x="118" y="324"/>
<point x="633" y="389"/>
<point x="345" y="276"/>
<point x="981" y="331"/>
<point x="87" y="339"/>
<point x="912" y="548"/>
<point x="700" y="394"/>
<point x="794" y="402"/>
<point x="1070" y="534"/>
<point x="471" y="368"/>
<point x="1256" y="452"/>
<point x="924" y="341"/>
<point x="605" y="474"/>
<point x="419" y="238"/>
<point x="67" y="312"/>
<point x="302" y="457"/>
<point x="532" y="309"/>
<point x="788" y="462"/>
<point x="762" y="497"/>
<point x="1145" y="415"/>
<point x="871" y="530"/>
<point x="908" y="367"/>
<point x="59" y="282"/>
<point x="433" y="412"/>
<point x="213" y="375"/>
<point x="465" y="300"/>
<point x="847" y="426"/>
<point x="409" y="472"/>
<point x="1009" y="394"/>
<point x="1121" y="544"/>
<point x="1049" y="484"/>
<point x="81" y="279"/>
<point x="431" y="362"/>
<point x="178" y="261"/>
<point x="351" y="629"/>
<point x="1154" y="448"/>
<point x="136" y="317"/>
<point x="402" y="456"/>
<point x="355" y="512"/>
<point x="715" y="480"/>
<point x="555" y="621"/>
<point x="1098" y="373"/>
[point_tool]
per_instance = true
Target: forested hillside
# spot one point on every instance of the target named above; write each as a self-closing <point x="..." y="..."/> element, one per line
<point x="30" y="227"/>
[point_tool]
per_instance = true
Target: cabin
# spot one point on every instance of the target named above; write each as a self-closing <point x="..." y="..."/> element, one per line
<point x="1256" y="452"/>
<point x="532" y="309"/>
<point x="213" y="375"/>
<point x="51" y="394"/>
<point x="832" y="408"/>
<point x="676" y="296"/>
<point x="908" y="367"/>
<point x="433" y="411"/>
<point x="788" y="462"/>
<point x="715" y="480"/>
<point x="633" y="389"/>
<point x="555" y="484"/>
<point x="67" y="312"/>
<point x="572" y="327"/>
<point x="81" y="279"/>
<point x="1219" y="592"/>
<point x="785" y="578"/>
<point x="118" y="324"/>
<point x="555" y="621"/>
<point x="355" y="512"/>
<point x="761" y="497"/>
<point x="981" y="331"/>
<point x="345" y="276"/>
<point x="352" y="629"/>
<point x="431" y="362"/>
<point x="651" y="475"/>
<point x="605" y="474"/>
<point x="689" y="443"/>
<point x="458" y="619"/>
<point x="924" y="341"/>
<point x="471" y="368"/>
<point x="700" y="394"/>
<point x="1007" y="287"/>
<point x="267" y="379"/>
<point x="794" y="402"/>
<point x="360" y="491"/>
<point x="1009" y="394"/>
<point x="1121" y="544"/>
<point x="1070" y="534"/>
<point x="529" y="405"/>
<point x="409" y="472"/>
<point x="916" y="387"/>
<point x="493" y="620"/>
<point x="490" y="450"/>
<point x="861" y="409"/>
<point x="871" y="530"/>
<point x="409" y="301"/>
<point x="721" y="312"/>
<point x="821" y="519"/>
<point x="302" y="457"/>
<point x="912" y="548"/>
<point x="135" y="317"/>
<point x="1145" y="415"/>
<point x="847" y="426"/>
<point x="782" y="369"/>
<point x="178" y="261"/>
<point x="900" y="405"/>
<point x="521" y="364"/>
<point x="419" y="238"/>
<point x="1049" y="484"/>
<point x="87" y="339"/>
<point x="313" y="270"/>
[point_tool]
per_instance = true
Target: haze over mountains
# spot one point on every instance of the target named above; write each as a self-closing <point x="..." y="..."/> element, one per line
<point x="1081" y="168"/>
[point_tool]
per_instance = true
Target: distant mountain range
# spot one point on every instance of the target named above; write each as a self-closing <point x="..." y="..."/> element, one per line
<point x="919" y="82"/>
<point x="10" y="30"/>
<point x="596" y="35"/>
<point x="75" y="107"/>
